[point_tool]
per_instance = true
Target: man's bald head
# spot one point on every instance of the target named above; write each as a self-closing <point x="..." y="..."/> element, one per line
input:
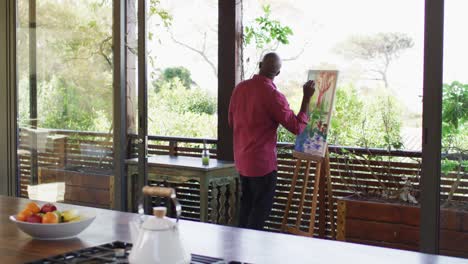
<point x="271" y="65"/>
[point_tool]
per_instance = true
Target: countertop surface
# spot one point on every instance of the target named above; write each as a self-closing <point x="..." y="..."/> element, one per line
<point x="228" y="243"/>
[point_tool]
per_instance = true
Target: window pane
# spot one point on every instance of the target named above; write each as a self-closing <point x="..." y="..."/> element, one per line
<point x="65" y="100"/>
<point x="375" y="82"/>
<point x="454" y="164"/>
<point x="182" y="69"/>
<point x="376" y="124"/>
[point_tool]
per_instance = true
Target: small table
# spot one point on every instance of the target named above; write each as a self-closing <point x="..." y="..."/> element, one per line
<point x="218" y="174"/>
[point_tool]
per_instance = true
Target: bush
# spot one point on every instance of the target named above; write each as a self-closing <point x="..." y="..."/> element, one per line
<point x="169" y="74"/>
<point x="359" y="122"/>
<point x="176" y="111"/>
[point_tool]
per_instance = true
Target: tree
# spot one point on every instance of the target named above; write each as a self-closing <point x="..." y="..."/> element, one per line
<point x="75" y="61"/>
<point x="200" y="51"/>
<point x="454" y="134"/>
<point x="176" y="111"/>
<point x="347" y="117"/>
<point x="376" y="51"/>
<point x="267" y="31"/>
<point x="454" y="115"/>
<point x="265" y="34"/>
<point x="181" y="73"/>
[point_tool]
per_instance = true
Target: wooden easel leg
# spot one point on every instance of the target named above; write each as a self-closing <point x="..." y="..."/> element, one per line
<point x="291" y="195"/>
<point x="304" y="188"/>
<point x="322" y="174"/>
<point x="314" y="198"/>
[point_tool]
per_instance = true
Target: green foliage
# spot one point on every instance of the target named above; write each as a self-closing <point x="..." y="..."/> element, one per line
<point x="390" y="120"/>
<point x="364" y="123"/>
<point x="454" y="130"/>
<point x="75" y="62"/>
<point x="176" y="111"/>
<point x="174" y="97"/>
<point x="359" y="122"/>
<point x="347" y="117"/>
<point x="266" y="30"/>
<point x="454" y="117"/>
<point x="169" y="74"/>
<point x="64" y="108"/>
<point x="156" y="10"/>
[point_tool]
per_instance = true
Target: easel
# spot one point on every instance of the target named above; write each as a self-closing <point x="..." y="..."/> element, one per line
<point x="322" y="173"/>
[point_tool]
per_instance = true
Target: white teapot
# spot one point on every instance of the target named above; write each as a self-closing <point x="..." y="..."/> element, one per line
<point x="157" y="240"/>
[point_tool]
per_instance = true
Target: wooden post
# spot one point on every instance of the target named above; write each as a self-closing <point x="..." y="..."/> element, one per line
<point x="59" y="149"/>
<point x="119" y="108"/>
<point x="172" y="148"/>
<point x="432" y="126"/>
<point x="33" y="89"/>
<point x="229" y="69"/>
<point x="341" y="219"/>
<point x="8" y="122"/>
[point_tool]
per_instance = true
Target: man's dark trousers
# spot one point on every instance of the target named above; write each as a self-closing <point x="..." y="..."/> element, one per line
<point x="256" y="200"/>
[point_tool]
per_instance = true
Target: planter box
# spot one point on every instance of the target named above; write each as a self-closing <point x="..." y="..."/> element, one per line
<point x="397" y="226"/>
<point x="88" y="187"/>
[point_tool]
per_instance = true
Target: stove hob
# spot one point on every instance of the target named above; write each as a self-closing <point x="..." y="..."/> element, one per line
<point x="116" y="253"/>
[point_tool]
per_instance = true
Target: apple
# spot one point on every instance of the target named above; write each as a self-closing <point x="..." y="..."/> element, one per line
<point x="34" y="219"/>
<point x="48" y="207"/>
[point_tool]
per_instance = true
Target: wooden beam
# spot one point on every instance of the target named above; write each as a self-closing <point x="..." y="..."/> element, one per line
<point x="120" y="106"/>
<point x="8" y="125"/>
<point x="432" y="126"/>
<point x="142" y="102"/>
<point x="229" y="69"/>
<point x="33" y="89"/>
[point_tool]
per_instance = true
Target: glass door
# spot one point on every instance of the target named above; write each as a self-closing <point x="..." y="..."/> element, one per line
<point x="454" y="162"/>
<point x="64" y="96"/>
<point x="177" y="79"/>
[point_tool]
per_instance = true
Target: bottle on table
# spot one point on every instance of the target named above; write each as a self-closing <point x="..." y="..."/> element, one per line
<point x="205" y="155"/>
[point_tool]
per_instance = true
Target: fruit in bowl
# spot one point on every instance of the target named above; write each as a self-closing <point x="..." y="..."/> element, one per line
<point x="48" y="207"/>
<point x="47" y="214"/>
<point x="48" y="223"/>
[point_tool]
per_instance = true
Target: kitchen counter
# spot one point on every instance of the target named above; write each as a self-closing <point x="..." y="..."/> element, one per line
<point x="201" y="238"/>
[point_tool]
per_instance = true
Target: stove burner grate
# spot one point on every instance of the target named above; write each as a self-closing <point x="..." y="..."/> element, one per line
<point x="113" y="253"/>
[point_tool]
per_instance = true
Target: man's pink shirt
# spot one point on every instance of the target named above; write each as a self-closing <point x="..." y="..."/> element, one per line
<point x="255" y="112"/>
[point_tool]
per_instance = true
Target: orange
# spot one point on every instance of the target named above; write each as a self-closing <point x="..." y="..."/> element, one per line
<point x="23" y="215"/>
<point x="50" y="218"/>
<point x="33" y="207"/>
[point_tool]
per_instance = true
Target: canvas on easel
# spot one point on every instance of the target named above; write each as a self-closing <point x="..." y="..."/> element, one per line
<point x="312" y="141"/>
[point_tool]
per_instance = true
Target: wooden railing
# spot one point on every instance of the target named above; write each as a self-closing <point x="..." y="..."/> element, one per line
<point x="353" y="170"/>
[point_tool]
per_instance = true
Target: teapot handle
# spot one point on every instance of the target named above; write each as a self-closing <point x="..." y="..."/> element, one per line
<point x="159" y="191"/>
<point x="164" y="192"/>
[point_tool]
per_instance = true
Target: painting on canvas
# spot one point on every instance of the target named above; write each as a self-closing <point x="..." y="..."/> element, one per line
<point x="313" y="140"/>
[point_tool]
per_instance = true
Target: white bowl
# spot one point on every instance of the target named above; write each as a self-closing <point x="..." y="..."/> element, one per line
<point x="55" y="231"/>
